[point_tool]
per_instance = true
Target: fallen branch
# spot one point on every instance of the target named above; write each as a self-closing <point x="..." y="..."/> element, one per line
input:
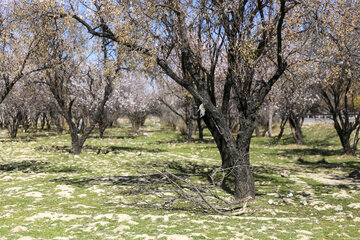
<point x="204" y="197"/>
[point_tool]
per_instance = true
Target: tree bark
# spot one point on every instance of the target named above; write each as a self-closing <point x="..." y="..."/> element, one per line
<point x="48" y="125"/>
<point x="265" y="130"/>
<point x="77" y="141"/>
<point x="200" y="129"/>
<point x="295" y="125"/>
<point x="137" y="120"/>
<point x="43" y="120"/>
<point x="257" y="132"/>
<point x="246" y="184"/>
<point x="57" y="119"/>
<point x="271" y="113"/>
<point x="345" y="142"/>
<point x="102" y="127"/>
<point x="282" y="128"/>
<point x="336" y="99"/>
<point x="59" y="126"/>
<point x="235" y="156"/>
<point x="13" y="123"/>
<point x="356" y="139"/>
<point x="35" y="122"/>
<point x="189" y="126"/>
<point x="344" y="136"/>
<point x="76" y="146"/>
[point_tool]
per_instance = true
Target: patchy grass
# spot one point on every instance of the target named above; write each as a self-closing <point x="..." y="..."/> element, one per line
<point x="113" y="190"/>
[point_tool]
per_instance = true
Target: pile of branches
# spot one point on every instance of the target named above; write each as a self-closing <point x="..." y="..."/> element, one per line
<point x="204" y="196"/>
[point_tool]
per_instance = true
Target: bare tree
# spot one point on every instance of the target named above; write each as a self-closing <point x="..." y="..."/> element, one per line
<point x="17" y="49"/>
<point x="67" y="94"/>
<point x="249" y="32"/>
<point x="138" y="98"/>
<point x="80" y="89"/>
<point x="336" y="45"/>
<point x="179" y="102"/>
<point x="294" y="96"/>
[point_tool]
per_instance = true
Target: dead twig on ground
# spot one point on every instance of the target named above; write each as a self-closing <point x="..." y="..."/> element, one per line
<point x="205" y="197"/>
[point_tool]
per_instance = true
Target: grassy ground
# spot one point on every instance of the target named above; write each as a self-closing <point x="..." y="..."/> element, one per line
<point x="112" y="189"/>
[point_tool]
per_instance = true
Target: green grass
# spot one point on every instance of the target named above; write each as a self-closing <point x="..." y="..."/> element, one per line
<point x="113" y="190"/>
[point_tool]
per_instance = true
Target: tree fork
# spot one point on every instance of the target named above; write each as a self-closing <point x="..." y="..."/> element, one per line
<point x="234" y="159"/>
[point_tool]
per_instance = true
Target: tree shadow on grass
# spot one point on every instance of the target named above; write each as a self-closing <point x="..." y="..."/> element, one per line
<point x="29" y="136"/>
<point x="100" y="149"/>
<point x="348" y="166"/>
<point x="325" y="164"/>
<point x="307" y="152"/>
<point x="135" y="180"/>
<point x="43" y="133"/>
<point x="183" y="170"/>
<point x="158" y="179"/>
<point x="23" y="166"/>
<point x="188" y="167"/>
<point x="320" y="142"/>
<point x="270" y="176"/>
<point x="327" y="141"/>
<point x="329" y="188"/>
<point x="33" y="166"/>
<point x="183" y="139"/>
<point x="113" y="137"/>
<point x="118" y="149"/>
<point x="17" y="139"/>
<point x="146" y="191"/>
<point x="273" y="141"/>
<point x="322" y="188"/>
<point x="313" y="151"/>
<point x="149" y="183"/>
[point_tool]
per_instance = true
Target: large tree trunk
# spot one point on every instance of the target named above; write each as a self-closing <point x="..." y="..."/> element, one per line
<point x="345" y="142"/>
<point x="344" y="139"/>
<point x="101" y="132"/>
<point x="13" y="128"/>
<point x="295" y="123"/>
<point x="13" y="123"/>
<point x="77" y="141"/>
<point x="235" y="156"/>
<point x="246" y="185"/>
<point x="190" y="129"/>
<point x="102" y="127"/>
<point x="76" y="146"/>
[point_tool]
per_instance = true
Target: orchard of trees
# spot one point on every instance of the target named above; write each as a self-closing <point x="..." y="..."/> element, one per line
<point x="232" y="66"/>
